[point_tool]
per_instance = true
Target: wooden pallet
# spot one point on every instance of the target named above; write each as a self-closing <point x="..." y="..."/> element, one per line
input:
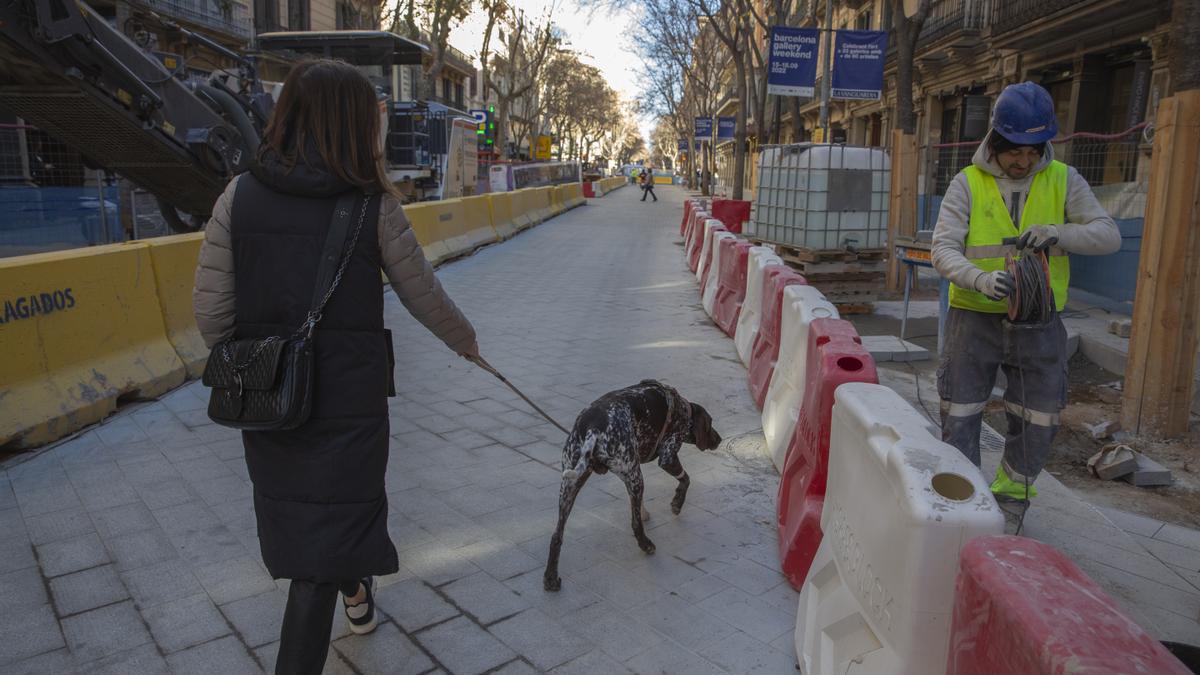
<point x="855" y="308"/>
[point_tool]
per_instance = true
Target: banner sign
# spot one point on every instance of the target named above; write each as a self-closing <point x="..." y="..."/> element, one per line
<point x="683" y="145"/>
<point x="858" y="64"/>
<point x="792" y="62"/>
<point x="704" y="128"/>
<point x="726" y="126"/>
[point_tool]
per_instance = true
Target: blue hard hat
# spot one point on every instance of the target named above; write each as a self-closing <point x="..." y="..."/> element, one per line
<point x="1024" y="114"/>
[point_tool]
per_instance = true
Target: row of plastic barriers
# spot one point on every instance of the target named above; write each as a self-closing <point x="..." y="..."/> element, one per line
<point x="84" y="330"/>
<point x="891" y="536"/>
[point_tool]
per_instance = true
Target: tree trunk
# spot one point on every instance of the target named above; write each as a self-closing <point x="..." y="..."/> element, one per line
<point x="739" y="133"/>
<point x="500" y="145"/>
<point x="906" y="31"/>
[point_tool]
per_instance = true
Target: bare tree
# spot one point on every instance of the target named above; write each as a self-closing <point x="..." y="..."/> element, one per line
<point x="438" y="17"/>
<point x="730" y="27"/>
<point x="496" y="10"/>
<point x="518" y="67"/>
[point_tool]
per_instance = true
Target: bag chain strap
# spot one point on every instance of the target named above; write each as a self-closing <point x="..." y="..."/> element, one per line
<point x="314" y="315"/>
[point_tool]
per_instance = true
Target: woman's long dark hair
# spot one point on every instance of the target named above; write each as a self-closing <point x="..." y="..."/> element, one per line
<point x="332" y="107"/>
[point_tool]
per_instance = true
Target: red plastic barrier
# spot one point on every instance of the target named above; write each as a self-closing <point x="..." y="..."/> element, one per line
<point x="766" y="343"/>
<point x="732" y="212"/>
<point x="1020" y="606"/>
<point x="835" y="356"/>
<point x="696" y="245"/>
<point x="690" y="239"/>
<point x="731" y="288"/>
<point x="687" y="216"/>
<point x="708" y="255"/>
<point x="587" y="190"/>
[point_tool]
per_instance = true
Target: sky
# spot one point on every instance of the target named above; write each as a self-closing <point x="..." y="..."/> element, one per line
<point x="600" y="36"/>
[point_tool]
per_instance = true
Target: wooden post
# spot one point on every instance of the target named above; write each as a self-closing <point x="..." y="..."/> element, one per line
<point x="1166" y="309"/>
<point x="902" y="200"/>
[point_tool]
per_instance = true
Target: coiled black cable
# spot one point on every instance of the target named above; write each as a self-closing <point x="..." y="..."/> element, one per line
<point x="1032" y="299"/>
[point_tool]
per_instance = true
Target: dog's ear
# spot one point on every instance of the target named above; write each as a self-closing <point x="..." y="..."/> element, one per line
<point x="703" y="434"/>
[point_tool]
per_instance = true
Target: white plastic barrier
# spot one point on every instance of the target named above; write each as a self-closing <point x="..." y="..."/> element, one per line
<point x="701" y="265"/>
<point x="781" y="408"/>
<point x="709" y="299"/>
<point x="747" y="326"/>
<point x="899" y="506"/>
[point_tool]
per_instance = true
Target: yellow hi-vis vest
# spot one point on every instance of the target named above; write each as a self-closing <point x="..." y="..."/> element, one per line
<point x="990" y="223"/>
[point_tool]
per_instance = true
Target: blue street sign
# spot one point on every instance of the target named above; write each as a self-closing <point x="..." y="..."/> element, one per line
<point x="858" y="64"/>
<point x="792" y="62"/>
<point x="725" y="127"/>
<point x="704" y="128"/>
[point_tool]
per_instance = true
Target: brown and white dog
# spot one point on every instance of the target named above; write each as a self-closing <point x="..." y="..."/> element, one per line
<point x="619" y="432"/>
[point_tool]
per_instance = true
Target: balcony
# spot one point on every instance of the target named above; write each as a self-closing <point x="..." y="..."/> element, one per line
<point x="1027" y="23"/>
<point x="226" y="17"/>
<point x="948" y="18"/>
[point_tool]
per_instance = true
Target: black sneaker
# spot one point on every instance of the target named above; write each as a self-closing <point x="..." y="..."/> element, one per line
<point x="362" y="616"/>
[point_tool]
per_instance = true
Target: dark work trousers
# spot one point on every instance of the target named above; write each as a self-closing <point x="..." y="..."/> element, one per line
<point x="304" y="640"/>
<point x="1034" y="360"/>
<point x="648" y="190"/>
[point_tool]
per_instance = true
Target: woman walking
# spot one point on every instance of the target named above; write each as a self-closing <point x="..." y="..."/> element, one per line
<point x="319" y="496"/>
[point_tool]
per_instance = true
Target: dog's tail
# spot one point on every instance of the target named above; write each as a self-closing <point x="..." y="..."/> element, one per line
<point x="585" y="454"/>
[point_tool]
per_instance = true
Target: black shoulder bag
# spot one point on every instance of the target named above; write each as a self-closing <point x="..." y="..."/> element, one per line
<point x="265" y="384"/>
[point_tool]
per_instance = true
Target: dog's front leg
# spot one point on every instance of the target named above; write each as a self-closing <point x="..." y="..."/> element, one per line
<point x="676" y="469"/>
<point x="566" y="501"/>
<point x="633" y="483"/>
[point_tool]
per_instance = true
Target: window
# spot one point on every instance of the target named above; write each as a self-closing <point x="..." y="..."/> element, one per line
<point x="298" y="15"/>
<point x="266" y="16"/>
<point x="863" y="20"/>
<point x="458" y="95"/>
<point x="446" y="89"/>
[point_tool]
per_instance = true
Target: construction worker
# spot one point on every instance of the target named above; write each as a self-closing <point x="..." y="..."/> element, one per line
<point x="1013" y="188"/>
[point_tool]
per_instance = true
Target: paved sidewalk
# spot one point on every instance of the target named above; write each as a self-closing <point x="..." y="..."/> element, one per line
<point x="131" y="548"/>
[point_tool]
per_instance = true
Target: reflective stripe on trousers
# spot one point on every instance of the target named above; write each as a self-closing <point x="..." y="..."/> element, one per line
<point x="1034" y="360"/>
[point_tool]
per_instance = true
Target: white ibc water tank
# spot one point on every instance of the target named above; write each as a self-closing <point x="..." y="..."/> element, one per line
<point x="823" y="197"/>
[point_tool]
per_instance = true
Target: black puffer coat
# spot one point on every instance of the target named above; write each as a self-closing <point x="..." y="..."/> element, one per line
<point x="319" y="491"/>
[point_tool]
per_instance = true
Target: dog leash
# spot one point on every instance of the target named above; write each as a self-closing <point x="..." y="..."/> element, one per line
<point x="479" y="361"/>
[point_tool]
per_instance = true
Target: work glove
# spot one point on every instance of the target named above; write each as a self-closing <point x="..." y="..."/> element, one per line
<point x="1038" y="238"/>
<point x="996" y="285"/>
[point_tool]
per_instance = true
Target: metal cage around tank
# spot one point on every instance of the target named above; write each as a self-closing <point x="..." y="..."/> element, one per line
<point x="822" y="196"/>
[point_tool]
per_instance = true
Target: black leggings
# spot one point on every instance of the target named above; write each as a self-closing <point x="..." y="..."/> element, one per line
<point x="304" y="640"/>
<point x="648" y="190"/>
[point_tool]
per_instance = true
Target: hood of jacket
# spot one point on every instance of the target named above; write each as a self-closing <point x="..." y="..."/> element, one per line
<point x="309" y="177"/>
<point x="985" y="161"/>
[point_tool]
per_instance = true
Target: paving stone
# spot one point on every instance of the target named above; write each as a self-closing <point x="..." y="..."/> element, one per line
<point x="59" y="525"/>
<point x="140" y="549"/>
<point x="436" y="563"/>
<point x="740" y="653"/>
<point x="386" y="650"/>
<point x="219" y="657"/>
<point x="57" y="661"/>
<point x="892" y="348"/>
<point x="156" y="584"/>
<point x="258" y="619"/>
<point x="615" y="632"/>
<point x="485" y="598"/>
<point x="32" y="631"/>
<point x="141" y="660"/>
<point x="234" y="579"/>
<point x="463" y="647"/>
<point x="670" y="658"/>
<point x="414" y="605"/>
<point x="185" y="622"/>
<point x="89" y="589"/>
<point x="749" y="613"/>
<point x="500" y="559"/>
<point x="71" y="555"/>
<point x="21" y="589"/>
<point x="1180" y="536"/>
<point x="593" y="663"/>
<point x="540" y="639"/>
<point x="104" y="631"/>
<point x="1132" y="522"/>
<point x="690" y="625"/>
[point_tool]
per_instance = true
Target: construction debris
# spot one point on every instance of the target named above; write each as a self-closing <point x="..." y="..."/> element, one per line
<point x="1120" y="327"/>
<point x="1149" y="473"/>
<point x="1113" y="461"/>
<point x="1103" y="429"/>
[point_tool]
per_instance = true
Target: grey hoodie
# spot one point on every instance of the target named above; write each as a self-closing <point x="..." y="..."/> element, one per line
<point x="1089" y="230"/>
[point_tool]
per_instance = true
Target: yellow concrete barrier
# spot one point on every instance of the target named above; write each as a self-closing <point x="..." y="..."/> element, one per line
<point x="501" y="206"/>
<point x="571" y="195"/>
<point x="174" y="261"/>
<point x="451" y="227"/>
<point x="80" y="330"/>
<point x="557" y="204"/>
<point x="545" y="203"/>
<point x="527" y="209"/>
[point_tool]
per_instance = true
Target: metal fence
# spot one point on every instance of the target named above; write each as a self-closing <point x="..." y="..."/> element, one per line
<point x="49" y="199"/>
<point x="1109" y="162"/>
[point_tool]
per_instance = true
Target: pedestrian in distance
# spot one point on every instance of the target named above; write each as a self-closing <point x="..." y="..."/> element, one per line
<point x="1014" y="189"/>
<point x="319" y="497"/>
<point x="648" y="183"/>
